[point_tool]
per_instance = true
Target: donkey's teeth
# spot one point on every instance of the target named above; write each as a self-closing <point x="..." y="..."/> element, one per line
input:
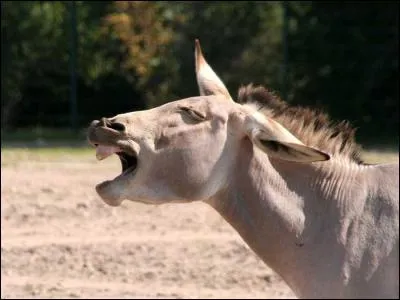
<point x="103" y="152"/>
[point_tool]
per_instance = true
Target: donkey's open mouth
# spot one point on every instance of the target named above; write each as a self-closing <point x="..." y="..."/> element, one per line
<point x="128" y="160"/>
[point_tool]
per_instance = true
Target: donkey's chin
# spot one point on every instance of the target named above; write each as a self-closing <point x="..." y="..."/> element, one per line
<point x="110" y="192"/>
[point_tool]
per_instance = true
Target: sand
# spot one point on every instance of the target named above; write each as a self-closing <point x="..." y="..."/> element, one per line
<point x="58" y="239"/>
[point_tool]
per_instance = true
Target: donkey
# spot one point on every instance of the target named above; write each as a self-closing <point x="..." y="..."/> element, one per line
<point x="291" y="184"/>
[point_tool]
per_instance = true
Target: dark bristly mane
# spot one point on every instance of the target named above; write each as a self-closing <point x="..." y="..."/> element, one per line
<point x="313" y="127"/>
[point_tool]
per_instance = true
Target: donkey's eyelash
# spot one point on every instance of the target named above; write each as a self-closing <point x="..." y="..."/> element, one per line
<point x="192" y="113"/>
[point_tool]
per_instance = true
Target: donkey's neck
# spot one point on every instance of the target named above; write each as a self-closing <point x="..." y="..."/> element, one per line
<point x="285" y="213"/>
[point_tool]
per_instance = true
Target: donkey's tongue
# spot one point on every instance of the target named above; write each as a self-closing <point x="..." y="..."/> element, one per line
<point x="103" y="152"/>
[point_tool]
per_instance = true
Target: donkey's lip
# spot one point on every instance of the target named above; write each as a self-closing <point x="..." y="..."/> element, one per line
<point x="102" y="151"/>
<point x="127" y="156"/>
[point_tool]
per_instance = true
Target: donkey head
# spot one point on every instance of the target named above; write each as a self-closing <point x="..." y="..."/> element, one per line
<point x="186" y="150"/>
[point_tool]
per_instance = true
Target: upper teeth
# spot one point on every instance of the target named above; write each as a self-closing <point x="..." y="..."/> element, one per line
<point x="103" y="152"/>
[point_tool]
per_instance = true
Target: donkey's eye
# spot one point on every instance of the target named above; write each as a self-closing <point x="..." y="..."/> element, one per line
<point x="193" y="114"/>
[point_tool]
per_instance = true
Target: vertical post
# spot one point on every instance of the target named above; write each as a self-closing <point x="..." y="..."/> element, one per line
<point x="72" y="65"/>
<point x="4" y="50"/>
<point x="285" y="29"/>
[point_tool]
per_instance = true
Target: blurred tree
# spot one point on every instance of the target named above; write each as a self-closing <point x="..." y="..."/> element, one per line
<point x="137" y="54"/>
<point x="26" y="30"/>
<point x="145" y="36"/>
<point x="35" y="54"/>
<point x="236" y="39"/>
<point x="344" y="57"/>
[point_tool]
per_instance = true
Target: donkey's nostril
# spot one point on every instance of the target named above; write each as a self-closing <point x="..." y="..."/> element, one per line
<point x="117" y="126"/>
<point x="103" y="122"/>
<point x="94" y="123"/>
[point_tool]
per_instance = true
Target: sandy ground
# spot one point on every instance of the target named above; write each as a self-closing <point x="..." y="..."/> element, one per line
<point x="58" y="239"/>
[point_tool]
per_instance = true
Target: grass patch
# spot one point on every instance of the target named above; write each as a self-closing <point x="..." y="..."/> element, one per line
<point x="49" y="144"/>
<point x="376" y="156"/>
<point x="64" y="153"/>
<point x="15" y="155"/>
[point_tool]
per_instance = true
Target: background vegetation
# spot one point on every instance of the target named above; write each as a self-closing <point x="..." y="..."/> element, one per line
<point x="341" y="56"/>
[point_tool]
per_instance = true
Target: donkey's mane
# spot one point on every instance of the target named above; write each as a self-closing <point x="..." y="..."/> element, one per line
<point x="311" y="126"/>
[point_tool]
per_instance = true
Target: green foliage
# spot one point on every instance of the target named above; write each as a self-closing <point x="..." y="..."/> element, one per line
<point x="344" y="57"/>
<point x="138" y="54"/>
<point x="145" y="34"/>
<point x="234" y="37"/>
<point x="26" y="29"/>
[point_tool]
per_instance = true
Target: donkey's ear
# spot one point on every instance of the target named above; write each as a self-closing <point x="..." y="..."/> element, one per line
<point x="209" y="83"/>
<point x="276" y="141"/>
<point x="291" y="152"/>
